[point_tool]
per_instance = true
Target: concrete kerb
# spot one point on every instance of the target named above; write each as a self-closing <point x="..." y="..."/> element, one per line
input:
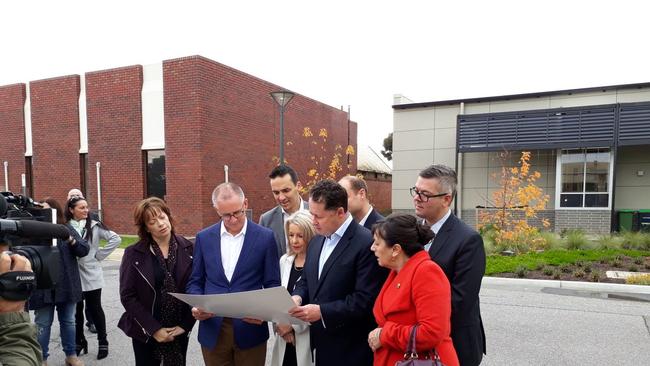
<point x="568" y="285"/>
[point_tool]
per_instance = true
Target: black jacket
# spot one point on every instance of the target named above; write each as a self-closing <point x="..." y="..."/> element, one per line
<point x="458" y="250"/>
<point x="138" y="295"/>
<point x="68" y="284"/>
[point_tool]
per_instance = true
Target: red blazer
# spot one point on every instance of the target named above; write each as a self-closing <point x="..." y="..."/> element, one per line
<point x="419" y="293"/>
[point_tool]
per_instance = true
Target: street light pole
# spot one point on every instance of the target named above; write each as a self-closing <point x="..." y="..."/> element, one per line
<point x="282" y="97"/>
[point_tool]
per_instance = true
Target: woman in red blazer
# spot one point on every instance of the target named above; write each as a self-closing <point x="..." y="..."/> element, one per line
<point x="415" y="292"/>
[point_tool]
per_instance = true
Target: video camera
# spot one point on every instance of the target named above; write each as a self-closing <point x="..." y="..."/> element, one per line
<point x="28" y="229"/>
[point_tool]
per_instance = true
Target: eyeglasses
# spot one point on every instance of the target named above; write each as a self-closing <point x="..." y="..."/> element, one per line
<point x="424" y="197"/>
<point x="236" y="214"/>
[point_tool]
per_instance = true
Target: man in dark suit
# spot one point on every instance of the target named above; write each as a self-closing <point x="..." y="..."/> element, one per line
<point x="232" y="255"/>
<point x="341" y="279"/>
<point x="358" y="203"/>
<point x="458" y="250"/>
<point x="286" y="191"/>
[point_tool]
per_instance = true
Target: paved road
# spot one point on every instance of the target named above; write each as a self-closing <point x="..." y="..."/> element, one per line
<point x="523" y="326"/>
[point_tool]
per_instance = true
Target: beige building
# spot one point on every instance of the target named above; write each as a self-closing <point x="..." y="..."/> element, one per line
<point x="592" y="147"/>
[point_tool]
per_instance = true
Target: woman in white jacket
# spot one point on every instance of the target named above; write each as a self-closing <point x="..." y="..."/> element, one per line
<point x="292" y="341"/>
<point x="90" y="271"/>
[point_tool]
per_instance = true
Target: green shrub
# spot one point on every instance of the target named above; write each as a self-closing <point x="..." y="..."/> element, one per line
<point x="565" y="268"/>
<point x="548" y="270"/>
<point x="638" y="261"/>
<point x="595" y="276"/>
<point x="557" y="274"/>
<point x="587" y="267"/>
<point x="609" y="241"/>
<point x="521" y="271"/>
<point x="616" y="263"/>
<point x="640" y="279"/>
<point x="580" y="273"/>
<point x="552" y="241"/>
<point x="576" y="239"/>
<point x="636" y="240"/>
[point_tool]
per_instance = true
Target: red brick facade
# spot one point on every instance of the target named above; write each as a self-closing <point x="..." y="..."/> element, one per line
<point x="114" y="111"/>
<point x="55" y="136"/>
<point x="214" y="116"/>
<point x="12" y="148"/>
<point x="380" y="190"/>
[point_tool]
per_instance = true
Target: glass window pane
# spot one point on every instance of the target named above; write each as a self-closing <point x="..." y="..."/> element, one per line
<point x="156" y="174"/>
<point x="596" y="200"/>
<point x="572" y="171"/>
<point x="571" y="200"/>
<point x="597" y="170"/>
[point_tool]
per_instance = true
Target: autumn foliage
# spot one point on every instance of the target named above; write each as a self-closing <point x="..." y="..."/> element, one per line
<point x="515" y="204"/>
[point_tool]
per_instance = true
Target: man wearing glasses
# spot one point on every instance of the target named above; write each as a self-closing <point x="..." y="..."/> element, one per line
<point x="458" y="250"/>
<point x="232" y="255"/>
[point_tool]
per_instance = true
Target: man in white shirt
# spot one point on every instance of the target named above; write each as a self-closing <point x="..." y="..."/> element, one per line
<point x="285" y="187"/>
<point x="340" y="281"/>
<point x="358" y="203"/>
<point x="232" y="255"/>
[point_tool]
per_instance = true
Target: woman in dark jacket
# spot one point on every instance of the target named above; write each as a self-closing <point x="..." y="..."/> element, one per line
<point x="160" y="263"/>
<point x="63" y="296"/>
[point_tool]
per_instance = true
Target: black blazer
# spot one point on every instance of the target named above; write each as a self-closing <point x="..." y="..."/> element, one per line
<point x="138" y="295"/>
<point x="372" y="219"/>
<point x="458" y="250"/>
<point x="346" y="291"/>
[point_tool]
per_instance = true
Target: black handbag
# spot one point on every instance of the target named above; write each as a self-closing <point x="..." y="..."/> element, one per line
<point x="411" y="356"/>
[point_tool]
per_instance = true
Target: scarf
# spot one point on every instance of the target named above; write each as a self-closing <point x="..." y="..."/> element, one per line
<point x="170" y="308"/>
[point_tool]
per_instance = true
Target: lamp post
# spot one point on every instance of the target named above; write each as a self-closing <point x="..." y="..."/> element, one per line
<point x="282" y="97"/>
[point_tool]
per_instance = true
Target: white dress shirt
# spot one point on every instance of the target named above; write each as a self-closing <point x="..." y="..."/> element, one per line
<point x="365" y="218"/>
<point x="330" y="243"/>
<point x="231" y="249"/>
<point x="436" y="227"/>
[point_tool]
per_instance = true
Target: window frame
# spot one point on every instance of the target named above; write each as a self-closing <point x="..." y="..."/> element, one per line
<point x="558" y="181"/>
<point x="145" y="170"/>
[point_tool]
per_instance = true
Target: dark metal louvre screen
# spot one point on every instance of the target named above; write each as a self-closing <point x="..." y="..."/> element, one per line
<point x="634" y="124"/>
<point x="556" y="128"/>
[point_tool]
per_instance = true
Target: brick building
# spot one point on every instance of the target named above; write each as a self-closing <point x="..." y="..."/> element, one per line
<point x="173" y="129"/>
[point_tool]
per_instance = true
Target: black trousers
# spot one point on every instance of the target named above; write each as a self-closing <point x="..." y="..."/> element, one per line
<point x="144" y="352"/>
<point x="93" y="301"/>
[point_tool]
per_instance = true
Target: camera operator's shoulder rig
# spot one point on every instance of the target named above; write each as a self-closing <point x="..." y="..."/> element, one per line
<point x="17" y="286"/>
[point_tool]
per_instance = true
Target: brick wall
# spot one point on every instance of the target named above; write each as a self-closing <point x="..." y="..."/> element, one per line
<point x="114" y="111"/>
<point x="215" y="116"/>
<point x="591" y="221"/>
<point x="12" y="148"/>
<point x="55" y="136"/>
<point x="379" y="190"/>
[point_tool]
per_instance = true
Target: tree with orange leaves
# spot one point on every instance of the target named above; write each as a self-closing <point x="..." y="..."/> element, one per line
<point x="517" y="201"/>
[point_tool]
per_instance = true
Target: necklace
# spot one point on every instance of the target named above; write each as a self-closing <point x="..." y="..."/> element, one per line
<point x="297" y="269"/>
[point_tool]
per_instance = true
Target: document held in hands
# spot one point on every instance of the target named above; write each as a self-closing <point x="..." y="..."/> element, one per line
<point x="269" y="304"/>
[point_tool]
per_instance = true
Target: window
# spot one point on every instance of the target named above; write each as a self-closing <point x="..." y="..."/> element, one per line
<point x="83" y="171"/>
<point x="584" y="178"/>
<point x="155" y="173"/>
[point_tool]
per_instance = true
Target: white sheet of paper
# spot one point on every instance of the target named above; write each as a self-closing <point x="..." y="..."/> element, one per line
<point x="269" y="304"/>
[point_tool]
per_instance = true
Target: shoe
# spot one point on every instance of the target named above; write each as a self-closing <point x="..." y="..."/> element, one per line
<point x="82" y="346"/>
<point x="73" y="361"/>
<point x="103" y="350"/>
<point x="91" y="328"/>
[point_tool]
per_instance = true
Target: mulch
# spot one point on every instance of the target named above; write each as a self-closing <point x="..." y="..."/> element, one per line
<point x="586" y="271"/>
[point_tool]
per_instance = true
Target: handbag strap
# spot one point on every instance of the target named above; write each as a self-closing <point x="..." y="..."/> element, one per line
<point x="411" y="354"/>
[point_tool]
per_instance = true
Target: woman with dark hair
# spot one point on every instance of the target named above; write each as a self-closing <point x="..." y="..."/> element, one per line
<point x="63" y="296"/>
<point x="159" y="264"/>
<point x="416" y="293"/>
<point x="90" y="271"/>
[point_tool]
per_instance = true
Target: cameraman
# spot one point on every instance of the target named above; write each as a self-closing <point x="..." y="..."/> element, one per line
<point x="18" y="344"/>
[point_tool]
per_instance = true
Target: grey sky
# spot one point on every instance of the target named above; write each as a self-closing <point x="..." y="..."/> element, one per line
<point x="356" y="53"/>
